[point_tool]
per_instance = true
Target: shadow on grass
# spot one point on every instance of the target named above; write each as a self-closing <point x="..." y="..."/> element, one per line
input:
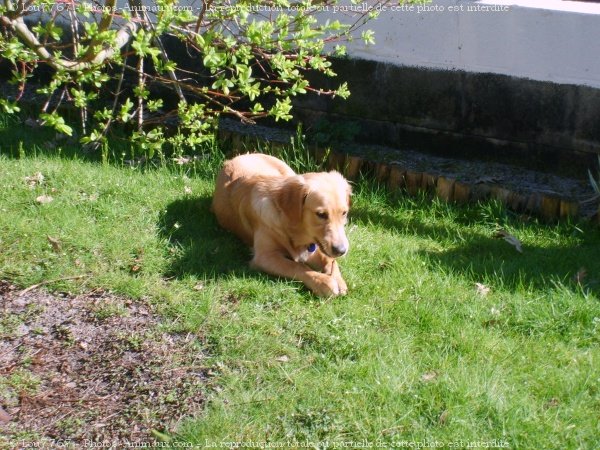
<point x="477" y="256"/>
<point x="207" y="250"/>
<point x="20" y="136"/>
<point x="484" y="257"/>
<point x="204" y="248"/>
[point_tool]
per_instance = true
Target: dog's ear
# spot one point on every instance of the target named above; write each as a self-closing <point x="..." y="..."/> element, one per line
<point x="349" y="194"/>
<point x="290" y="198"/>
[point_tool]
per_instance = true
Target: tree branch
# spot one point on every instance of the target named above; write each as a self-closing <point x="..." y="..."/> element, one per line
<point x="23" y="31"/>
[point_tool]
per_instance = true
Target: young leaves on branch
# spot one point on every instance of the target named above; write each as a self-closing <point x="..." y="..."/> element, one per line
<point x="116" y="64"/>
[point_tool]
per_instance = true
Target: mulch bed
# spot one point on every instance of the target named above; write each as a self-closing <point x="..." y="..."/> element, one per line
<point x="92" y="368"/>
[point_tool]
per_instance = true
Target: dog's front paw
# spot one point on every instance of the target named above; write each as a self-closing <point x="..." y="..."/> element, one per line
<point x="324" y="285"/>
<point x="343" y="287"/>
<point x="337" y="276"/>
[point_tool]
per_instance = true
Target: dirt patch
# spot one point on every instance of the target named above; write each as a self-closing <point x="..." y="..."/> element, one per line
<point x="94" y="367"/>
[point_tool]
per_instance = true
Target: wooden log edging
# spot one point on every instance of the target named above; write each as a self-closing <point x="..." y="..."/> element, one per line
<point x="445" y="189"/>
<point x="353" y="166"/>
<point x="382" y="172"/>
<point x="429" y="182"/>
<point x="547" y="206"/>
<point x="395" y="177"/>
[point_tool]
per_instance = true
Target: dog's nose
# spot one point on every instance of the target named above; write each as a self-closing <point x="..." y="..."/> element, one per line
<point x="339" y="250"/>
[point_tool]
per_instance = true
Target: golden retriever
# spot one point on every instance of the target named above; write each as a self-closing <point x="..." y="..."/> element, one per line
<point x="294" y="223"/>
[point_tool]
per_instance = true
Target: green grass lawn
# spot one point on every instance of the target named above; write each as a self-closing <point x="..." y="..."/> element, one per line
<point x="414" y="353"/>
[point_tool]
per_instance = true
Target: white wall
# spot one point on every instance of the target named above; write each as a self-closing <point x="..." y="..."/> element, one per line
<point x="559" y="42"/>
<point x="546" y="40"/>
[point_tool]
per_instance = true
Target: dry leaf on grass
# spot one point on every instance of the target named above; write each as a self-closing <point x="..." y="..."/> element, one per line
<point x="182" y="160"/>
<point x="43" y="199"/>
<point x="4" y="416"/>
<point x="55" y="243"/>
<point x="482" y="289"/>
<point x="429" y="376"/>
<point x="34" y="180"/>
<point x="510" y="239"/>
<point x="136" y="266"/>
<point x="443" y="417"/>
<point x="283" y="358"/>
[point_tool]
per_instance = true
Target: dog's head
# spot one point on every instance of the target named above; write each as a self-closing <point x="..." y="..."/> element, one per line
<point x="317" y="205"/>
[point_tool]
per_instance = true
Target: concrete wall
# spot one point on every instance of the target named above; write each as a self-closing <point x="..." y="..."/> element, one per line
<point x="520" y="84"/>
<point x="547" y="40"/>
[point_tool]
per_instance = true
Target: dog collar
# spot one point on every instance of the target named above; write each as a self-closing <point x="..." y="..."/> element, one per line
<point x="312" y="247"/>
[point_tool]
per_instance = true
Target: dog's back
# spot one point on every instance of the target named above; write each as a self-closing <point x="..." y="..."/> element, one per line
<point x="234" y="189"/>
<point x="253" y="164"/>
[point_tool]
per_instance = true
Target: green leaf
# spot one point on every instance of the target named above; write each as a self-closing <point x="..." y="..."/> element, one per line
<point x="223" y="84"/>
<point x="213" y="59"/>
<point x="9" y="107"/>
<point x="343" y="91"/>
<point x="282" y="109"/>
<point x="368" y="36"/>
<point x="251" y="90"/>
<point x="57" y="122"/>
<point x="124" y="114"/>
<point x="257" y="108"/>
<point x="155" y="105"/>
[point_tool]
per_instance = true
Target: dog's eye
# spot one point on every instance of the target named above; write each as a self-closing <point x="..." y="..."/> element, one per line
<point x="345" y="213"/>
<point x="322" y="215"/>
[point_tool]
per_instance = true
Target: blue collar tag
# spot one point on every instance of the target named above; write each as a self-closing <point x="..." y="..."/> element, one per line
<point x="312" y="248"/>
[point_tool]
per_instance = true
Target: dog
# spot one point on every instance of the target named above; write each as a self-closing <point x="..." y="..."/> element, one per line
<point x="294" y="223"/>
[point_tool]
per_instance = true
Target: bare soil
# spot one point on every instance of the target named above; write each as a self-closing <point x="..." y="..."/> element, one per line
<point x="92" y="368"/>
